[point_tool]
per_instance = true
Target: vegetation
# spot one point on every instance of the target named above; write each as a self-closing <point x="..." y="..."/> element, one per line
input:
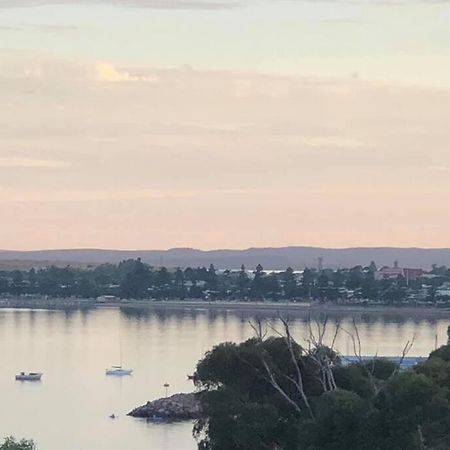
<point x="134" y="279"/>
<point x="272" y="393"/>
<point x="11" y="444"/>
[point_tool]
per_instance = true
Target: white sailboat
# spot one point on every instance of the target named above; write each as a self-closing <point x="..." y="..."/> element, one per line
<point x="119" y="370"/>
<point x="29" y="376"/>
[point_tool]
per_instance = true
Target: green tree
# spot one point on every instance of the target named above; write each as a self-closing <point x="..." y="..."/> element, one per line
<point x="136" y="279"/>
<point x="257" y="284"/>
<point x="12" y="444"/>
<point x="242" y="282"/>
<point x="308" y="279"/>
<point x="289" y="283"/>
<point x="254" y="398"/>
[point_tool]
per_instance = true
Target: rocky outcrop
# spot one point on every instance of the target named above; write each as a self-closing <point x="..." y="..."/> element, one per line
<point x="175" y="407"/>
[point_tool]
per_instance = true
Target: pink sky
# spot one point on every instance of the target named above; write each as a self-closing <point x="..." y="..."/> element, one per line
<point x="108" y="158"/>
<point x="330" y="133"/>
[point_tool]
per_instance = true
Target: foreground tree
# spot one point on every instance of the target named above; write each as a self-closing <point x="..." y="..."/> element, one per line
<point x="272" y="393"/>
<point x="12" y="444"/>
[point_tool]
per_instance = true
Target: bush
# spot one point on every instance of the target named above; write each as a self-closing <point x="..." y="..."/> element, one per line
<point x="11" y="444"/>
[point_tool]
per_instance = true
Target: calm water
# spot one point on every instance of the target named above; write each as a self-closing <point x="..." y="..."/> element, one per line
<point x="69" y="409"/>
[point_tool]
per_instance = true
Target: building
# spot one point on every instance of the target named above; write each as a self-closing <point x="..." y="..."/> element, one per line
<point x="392" y="273"/>
<point x="107" y="299"/>
<point x="443" y="291"/>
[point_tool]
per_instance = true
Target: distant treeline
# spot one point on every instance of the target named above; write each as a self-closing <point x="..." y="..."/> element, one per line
<point x="133" y="279"/>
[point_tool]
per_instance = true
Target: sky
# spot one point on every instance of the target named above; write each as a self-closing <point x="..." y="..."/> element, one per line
<point x="142" y="124"/>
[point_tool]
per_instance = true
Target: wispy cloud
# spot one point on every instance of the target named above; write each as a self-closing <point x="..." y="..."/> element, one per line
<point x="81" y="196"/>
<point x="319" y="142"/>
<point x="108" y="72"/>
<point x="30" y="163"/>
<point x="438" y="168"/>
<point x="160" y="4"/>
<point x="194" y="4"/>
<point x="56" y="29"/>
<point x="9" y="28"/>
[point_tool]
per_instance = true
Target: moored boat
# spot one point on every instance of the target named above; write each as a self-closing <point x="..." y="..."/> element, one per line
<point x="29" y="376"/>
<point x="118" y="371"/>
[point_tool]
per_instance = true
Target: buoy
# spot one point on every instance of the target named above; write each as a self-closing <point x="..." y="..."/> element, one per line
<point x="166" y="386"/>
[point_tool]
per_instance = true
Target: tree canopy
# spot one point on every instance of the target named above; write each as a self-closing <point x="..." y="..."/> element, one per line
<point x="12" y="444"/>
<point x="134" y="279"/>
<point x="272" y="393"/>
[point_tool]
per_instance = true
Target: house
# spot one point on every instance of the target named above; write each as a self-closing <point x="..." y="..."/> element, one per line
<point x="443" y="291"/>
<point x="392" y="273"/>
<point x="107" y="299"/>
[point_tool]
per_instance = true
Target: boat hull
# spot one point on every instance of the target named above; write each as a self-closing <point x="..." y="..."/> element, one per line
<point x="29" y="377"/>
<point x="118" y="372"/>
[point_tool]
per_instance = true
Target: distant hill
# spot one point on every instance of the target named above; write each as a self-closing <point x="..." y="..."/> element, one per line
<point x="27" y="264"/>
<point x="270" y="258"/>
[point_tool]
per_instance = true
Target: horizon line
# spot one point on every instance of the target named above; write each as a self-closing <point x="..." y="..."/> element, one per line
<point x="283" y="247"/>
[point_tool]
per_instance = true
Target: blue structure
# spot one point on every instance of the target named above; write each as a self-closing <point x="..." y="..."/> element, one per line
<point x="406" y="363"/>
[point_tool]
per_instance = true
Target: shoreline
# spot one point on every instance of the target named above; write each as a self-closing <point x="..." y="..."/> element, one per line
<point x="300" y="309"/>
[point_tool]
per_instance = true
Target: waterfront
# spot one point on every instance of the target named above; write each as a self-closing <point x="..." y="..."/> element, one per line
<point x="69" y="409"/>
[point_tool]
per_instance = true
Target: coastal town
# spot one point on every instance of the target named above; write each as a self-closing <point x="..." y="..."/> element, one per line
<point x="134" y="279"/>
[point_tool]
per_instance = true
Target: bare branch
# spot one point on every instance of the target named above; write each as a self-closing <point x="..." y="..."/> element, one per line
<point x="276" y="386"/>
<point x="299" y="382"/>
<point x="336" y="333"/>
<point x="258" y="329"/>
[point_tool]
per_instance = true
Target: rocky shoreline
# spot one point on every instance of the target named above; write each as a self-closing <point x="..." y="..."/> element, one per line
<point x="175" y="407"/>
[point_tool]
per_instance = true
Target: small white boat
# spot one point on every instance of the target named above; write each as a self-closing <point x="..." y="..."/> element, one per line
<point x="118" y="371"/>
<point x="29" y="376"/>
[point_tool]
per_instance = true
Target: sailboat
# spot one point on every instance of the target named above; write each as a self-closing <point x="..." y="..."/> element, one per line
<point x="29" y="376"/>
<point x="119" y="370"/>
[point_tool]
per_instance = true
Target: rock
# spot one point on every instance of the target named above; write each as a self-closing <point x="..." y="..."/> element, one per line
<point x="175" y="407"/>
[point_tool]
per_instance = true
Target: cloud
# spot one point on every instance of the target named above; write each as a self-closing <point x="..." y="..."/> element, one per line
<point x="9" y="28"/>
<point x="55" y="29"/>
<point x="438" y="168"/>
<point x="157" y="4"/>
<point x="76" y="196"/>
<point x="337" y="142"/>
<point x="207" y="144"/>
<point x="30" y="163"/>
<point x="108" y="72"/>
<point x="193" y="4"/>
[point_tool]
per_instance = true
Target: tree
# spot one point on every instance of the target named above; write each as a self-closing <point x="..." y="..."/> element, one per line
<point x="12" y="444"/>
<point x="272" y="393"/>
<point x="32" y="278"/>
<point x="257" y="284"/>
<point x="340" y="423"/>
<point x="4" y="285"/>
<point x="179" y="290"/>
<point x="212" y="277"/>
<point x="356" y="278"/>
<point x="271" y="287"/>
<point x="441" y="353"/>
<point x="413" y="413"/>
<point x="242" y="282"/>
<point x="289" y="283"/>
<point x="308" y="282"/>
<point x="136" y="279"/>
<point x="17" y="282"/>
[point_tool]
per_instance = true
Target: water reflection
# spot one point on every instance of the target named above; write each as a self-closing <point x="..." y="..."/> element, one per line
<point x="70" y="409"/>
